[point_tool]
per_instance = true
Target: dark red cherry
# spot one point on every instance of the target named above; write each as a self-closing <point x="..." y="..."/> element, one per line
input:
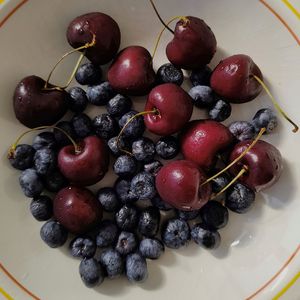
<point x="106" y="31"/>
<point x="263" y="161"/>
<point x="233" y="79"/>
<point x="174" y="107"/>
<point x="179" y="184"/>
<point x="34" y="106"/>
<point x="194" y="44"/>
<point x="132" y="73"/>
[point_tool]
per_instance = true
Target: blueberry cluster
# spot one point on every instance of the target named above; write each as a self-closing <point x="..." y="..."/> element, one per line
<point x="204" y="97"/>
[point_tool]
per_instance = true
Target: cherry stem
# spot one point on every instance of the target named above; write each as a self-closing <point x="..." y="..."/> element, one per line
<point x="142" y="113"/>
<point x="84" y="47"/>
<point x="240" y="174"/>
<point x="275" y="103"/>
<point x="12" y="149"/>
<point x="159" y="17"/>
<point x="261" y="132"/>
<point x="185" y="19"/>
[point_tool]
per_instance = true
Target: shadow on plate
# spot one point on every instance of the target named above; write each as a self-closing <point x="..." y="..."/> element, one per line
<point x="283" y="192"/>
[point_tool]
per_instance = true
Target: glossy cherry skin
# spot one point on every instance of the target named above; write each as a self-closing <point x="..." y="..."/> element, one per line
<point x="233" y="79"/>
<point x="193" y="46"/>
<point x="132" y="73"/>
<point x="77" y="209"/>
<point x="87" y="167"/>
<point x="202" y="140"/>
<point x="106" y="30"/>
<point x="264" y="164"/>
<point x="179" y="184"/>
<point x="174" y="107"/>
<point x="34" y="106"/>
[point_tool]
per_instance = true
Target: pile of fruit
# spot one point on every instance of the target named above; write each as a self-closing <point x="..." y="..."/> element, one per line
<point x="222" y="167"/>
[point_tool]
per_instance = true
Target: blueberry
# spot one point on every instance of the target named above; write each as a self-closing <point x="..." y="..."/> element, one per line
<point x="167" y="147"/>
<point x="239" y="198"/>
<point x="205" y="237"/>
<point x="201" y="76"/>
<point x="135" y="128"/>
<point x="107" y="234"/>
<point x="88" y="74"/>
<point x="149" y="221"/>
<point x="53" y="234"/>
<point x="41" y="208"/>
<point x="214" y="214"/>
<point x="116" y="149"/>
<point x="265" y="118"/>
<point x="143" y="186"/>
<point x="118" y="105"/>
<point x="55" y="181"/>
<point x="31" y="183"/>
<point x="108" y="199"/>
<point x="203" y="96"/>
<point x="22" y="158"/>
<point x="168" y="73"/>
<point x="127" y="243"/>
<point x="45" y="161"/>
<point x="219" y="183"/>
<point x="105" y="126"/>
<point x="136" y="268"/>
<point x="60" y="137"/>
<point x="143" y="149"/>
<point x="127" y="217"/>
<point x="77" y="99"/>
<point x="100" y="94"/>
<point x="122" y="188"/>
<point x="44" y="140"/>
<point x="153" y="167"/>
<point x="83" y="247"/>
<point x="242" y="130"/>
<point x="151" y="248"/>
<point x="82" y="125"/>
<point x="125" y="166"/>
<point x="187" y="215"/>
<point x="91" y="272"/>
<point x="160" y="204"/>
<point x="175" y="233"/>
<point x="112" y="262"/>
<point x="220" y="111"/>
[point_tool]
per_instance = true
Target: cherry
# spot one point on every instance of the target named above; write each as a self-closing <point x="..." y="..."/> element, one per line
<point x="132" y="72"/>
<point x="194" y="44"/>
<point x="35" y="106"/>
<point x="233" y="79"/>
<point x="86" y="165"/>
<point x="202" y="140"/>
<point x="263" y="162"/>
<point x="174" y="109"/>
<point x="106" y="31"/>
<point x="77" y="209"/>
<point x="179" y="184"/>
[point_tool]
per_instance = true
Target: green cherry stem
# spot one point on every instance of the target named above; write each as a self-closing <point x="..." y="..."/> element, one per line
<point x="12" y="149"/>
<point x="142" y="113"/>
<point x="275" y="103"/>
<point x="261" y="132"/>
<point x="240" y="174"/>
<point x="160" y="18"/>
<point x="84" y="47"/>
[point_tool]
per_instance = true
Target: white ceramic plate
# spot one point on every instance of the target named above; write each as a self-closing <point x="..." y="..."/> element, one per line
<point x="254" y="247"/>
